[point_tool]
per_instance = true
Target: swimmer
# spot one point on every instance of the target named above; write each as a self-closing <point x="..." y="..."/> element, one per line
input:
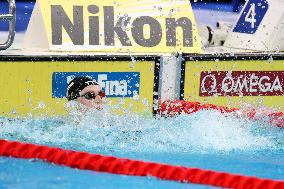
<point x="85" y="91"/>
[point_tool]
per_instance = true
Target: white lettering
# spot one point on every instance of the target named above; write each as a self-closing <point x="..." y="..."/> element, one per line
<point x="213" y="87"/>
<point x="253" y="83"/>
<point x="264" y="87"/>
<point x="112" y="87"/>
<point x="226" y="87"/>
<point x="241" y="84"/>
<point x="101" y="79"/>
<point x="123" y="88"/>
<point x="276" y="86"/>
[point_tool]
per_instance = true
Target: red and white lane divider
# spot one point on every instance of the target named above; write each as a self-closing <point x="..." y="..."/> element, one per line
<point x="114" y="165"/>
<point x="171" y="108"/>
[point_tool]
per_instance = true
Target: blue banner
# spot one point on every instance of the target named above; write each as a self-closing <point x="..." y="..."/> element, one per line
<point x="115" y="84"/>
<point x="251" y="17"/>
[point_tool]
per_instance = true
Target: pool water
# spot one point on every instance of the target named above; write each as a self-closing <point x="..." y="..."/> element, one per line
<point x="206" y="139"/>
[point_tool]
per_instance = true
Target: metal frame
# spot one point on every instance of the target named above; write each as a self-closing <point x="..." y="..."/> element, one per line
<point x="11" y="18"/>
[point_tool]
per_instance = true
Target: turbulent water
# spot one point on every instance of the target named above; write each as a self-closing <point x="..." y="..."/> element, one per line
<point x="100" y="131"/>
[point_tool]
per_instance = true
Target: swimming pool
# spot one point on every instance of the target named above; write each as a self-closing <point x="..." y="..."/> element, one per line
<point x="205" y="139"/>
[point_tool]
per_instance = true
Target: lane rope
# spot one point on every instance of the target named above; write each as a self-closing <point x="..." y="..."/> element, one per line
<point x="172" y="108"/>
<point x="114" y="165"/>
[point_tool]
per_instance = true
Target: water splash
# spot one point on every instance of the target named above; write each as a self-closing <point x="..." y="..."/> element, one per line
<point x="100" y="131"/>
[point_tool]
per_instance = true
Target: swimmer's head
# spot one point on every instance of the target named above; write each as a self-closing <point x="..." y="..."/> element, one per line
<point x="86" y="91"/>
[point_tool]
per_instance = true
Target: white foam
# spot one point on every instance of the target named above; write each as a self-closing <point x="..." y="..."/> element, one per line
<point x="204" y="131"/>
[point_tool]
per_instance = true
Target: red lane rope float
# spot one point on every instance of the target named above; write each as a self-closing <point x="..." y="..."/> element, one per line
<point x="176" y="107"/>
<point x="109" y="164"/>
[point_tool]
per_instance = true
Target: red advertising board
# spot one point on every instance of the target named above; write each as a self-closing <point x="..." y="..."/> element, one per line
<point x="241" y="83"/>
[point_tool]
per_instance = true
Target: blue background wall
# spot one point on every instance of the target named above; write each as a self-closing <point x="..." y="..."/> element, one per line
<point x="24" y="10"/>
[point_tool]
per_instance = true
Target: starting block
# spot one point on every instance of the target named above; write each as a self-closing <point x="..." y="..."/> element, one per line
<point x="260" y="27"/>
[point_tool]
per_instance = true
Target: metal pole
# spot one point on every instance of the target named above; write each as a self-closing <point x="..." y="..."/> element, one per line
<point x="11" y="18"/>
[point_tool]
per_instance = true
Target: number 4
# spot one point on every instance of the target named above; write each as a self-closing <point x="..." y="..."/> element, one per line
<point x="250" y="17"/>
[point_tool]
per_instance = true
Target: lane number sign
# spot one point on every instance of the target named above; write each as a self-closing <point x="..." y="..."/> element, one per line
<point x="251" y="17"/>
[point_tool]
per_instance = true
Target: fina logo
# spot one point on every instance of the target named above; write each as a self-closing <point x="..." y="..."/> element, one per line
<point x="115" y="84"/>
<point x="112" y="87"/>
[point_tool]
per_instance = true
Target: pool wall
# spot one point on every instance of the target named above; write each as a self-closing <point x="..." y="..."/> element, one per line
<point x="37" y="84"/>
<point x="254" y="80"/>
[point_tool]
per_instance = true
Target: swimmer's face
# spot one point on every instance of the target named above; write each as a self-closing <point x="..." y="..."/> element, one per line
<point x="91" y="98"/>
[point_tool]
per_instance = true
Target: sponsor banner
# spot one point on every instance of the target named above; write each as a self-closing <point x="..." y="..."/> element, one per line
<point x="114" y="84"/>
<point x="251" y="16"/>
<point x="236" y="83"/>
<point x="148" y="27"/>
<point x="39" y="87"/>
<point x="242" y="83"/>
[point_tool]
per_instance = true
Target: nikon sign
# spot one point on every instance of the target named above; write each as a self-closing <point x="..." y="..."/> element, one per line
<point x="148" y="27"/>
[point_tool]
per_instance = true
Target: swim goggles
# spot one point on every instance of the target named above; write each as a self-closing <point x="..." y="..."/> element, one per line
<point x="91" y="95"/>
